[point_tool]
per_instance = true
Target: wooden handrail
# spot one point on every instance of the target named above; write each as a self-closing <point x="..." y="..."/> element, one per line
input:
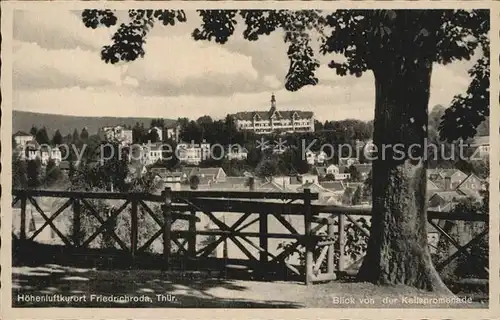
<point x="235" y="202"/>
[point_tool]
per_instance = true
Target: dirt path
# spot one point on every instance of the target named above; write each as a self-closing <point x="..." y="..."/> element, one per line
<point x="188" y="290"/>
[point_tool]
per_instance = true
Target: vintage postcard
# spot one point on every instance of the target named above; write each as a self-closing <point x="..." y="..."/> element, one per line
<point x="221" y="159"/>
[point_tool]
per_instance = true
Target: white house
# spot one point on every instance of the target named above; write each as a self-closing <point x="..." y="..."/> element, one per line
<point x="116" y="133"/>
<point x="321" y="157"/>
<point x="159" y="132"/>
<point x="152" y="153"/>
<point x="21" y="138"/>
<point x="308" y="178"/>
<point x="173" y="132"/>
<point x="193" y="154"/>
<point x="264" y="122"/>
<point x="237" y="153"/>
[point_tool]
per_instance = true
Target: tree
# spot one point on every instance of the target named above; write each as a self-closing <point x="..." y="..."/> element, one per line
<point x="76" y="137"/>
<point x="52" y="173"/>
<point x="399" y="47"/>
<point x="267" y="168"/>
<point x="57" y="139"/>
<point x="152" y="136"/>
<point x="347" y="196"/>
<point x="33" y="130"/>
<point x="160" y="123"/>
<point x="19" y="173"/>
<point x="355" y="175"/>
<point x="356" y="197"/>
<point x="33" y="171"/>
<point x="84" y="135"/>
<point x="138" y="133"/>
<point x="295" y="163"/>
<point x="42" y="137"/>
<point x="250" y="183"/>
<point x="194" y="182"/>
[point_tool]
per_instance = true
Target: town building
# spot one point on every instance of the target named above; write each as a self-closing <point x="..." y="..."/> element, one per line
<point x="21" y="138"/>
<point x="446" y="179"/>
<point x="159" y="132"/>
<point x="265" y="122"/>
<point x="480" y="147"/>
<point x="116" y="134"/>
<point x="147" y="154"/>
<point x="364" y="170"/>
<point x="193" y="154"/>
<point x="47" y="153"/>
<point x="173" y="132"/>
<point x="215" y="174"/>
<point x="237" y="153"/>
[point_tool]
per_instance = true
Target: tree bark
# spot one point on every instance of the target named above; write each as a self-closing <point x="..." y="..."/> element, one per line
<point x="397" y="251"/>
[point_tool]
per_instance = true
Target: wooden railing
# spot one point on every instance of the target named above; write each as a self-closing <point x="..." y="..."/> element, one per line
<point x="184" y="205"/>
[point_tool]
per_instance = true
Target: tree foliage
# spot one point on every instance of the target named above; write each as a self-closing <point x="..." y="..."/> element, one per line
<point x="57" y="139"/>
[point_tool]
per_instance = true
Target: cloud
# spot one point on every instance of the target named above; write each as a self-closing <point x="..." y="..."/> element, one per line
<point x="35" y="67"/>
<point x="58" y="29"/>
<point x="448" y="81"/>
<point x="179" y="65"/>
<point x="57" y="69"/>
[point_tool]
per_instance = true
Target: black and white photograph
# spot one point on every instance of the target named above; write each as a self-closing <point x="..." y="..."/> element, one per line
<point x="281" y="157"/>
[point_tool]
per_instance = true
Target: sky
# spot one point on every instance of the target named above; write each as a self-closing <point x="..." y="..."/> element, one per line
<point x="57" y="69"/>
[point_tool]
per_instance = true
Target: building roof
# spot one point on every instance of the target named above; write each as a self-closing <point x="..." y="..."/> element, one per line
<point x="480" y="141"/>
<point x="314" y="187"/>
<point x="448" y="196"/>
<point x="334" y="186"/>
<point x="431" y="186"/>
<point x="214" y="172"/>
<point x="188" y="171"/>
<point x="205" y="181"/>
<point x="363" y="168"/>
<point x="443" y="173"/>
<point x="22" y="134"/>
<point x="343" y="169"/>
<point x="266" y="115"/>
<point x="270" y="186"/>
<point x="231" y="183"/>
<point x="320" y="170"/>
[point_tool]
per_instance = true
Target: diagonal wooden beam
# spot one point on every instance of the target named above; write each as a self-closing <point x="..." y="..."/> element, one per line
<point x="357" y="225"/>
<point x="289" y="266"/>
<point x="16" y="200"/>
<point x="443" y="263"/>
<point x="104" y="225"/>
<point x="52" y="217"/>
<point x="285" y="223"/>
<point x="150" y="241"/>
<point x="44" y="216"/>
<point x="321" y="258"/>
<point x="151" y="213"/>
<point x="448" y="237"/>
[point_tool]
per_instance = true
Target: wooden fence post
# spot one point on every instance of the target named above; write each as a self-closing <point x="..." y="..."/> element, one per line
<point x="341" y="242"/>
<point x="22" y="227"/>
<point x="133" y="230"/>
<point x="330" y="268"/>
<point x="167" y="218"/>
<point x="309" y="250"/>
<point x="263" y="242"/>
<point x="192" y="235"/>
<point x="76" y="222"/>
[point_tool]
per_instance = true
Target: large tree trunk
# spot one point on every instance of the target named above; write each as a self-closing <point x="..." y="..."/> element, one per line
<point x="397" y="250"/>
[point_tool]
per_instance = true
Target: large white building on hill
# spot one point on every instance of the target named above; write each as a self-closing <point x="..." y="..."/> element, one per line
<point x="274" y="120"/>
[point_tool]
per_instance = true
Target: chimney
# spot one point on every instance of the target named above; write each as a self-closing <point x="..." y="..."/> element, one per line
<point x="447" y="183"/>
